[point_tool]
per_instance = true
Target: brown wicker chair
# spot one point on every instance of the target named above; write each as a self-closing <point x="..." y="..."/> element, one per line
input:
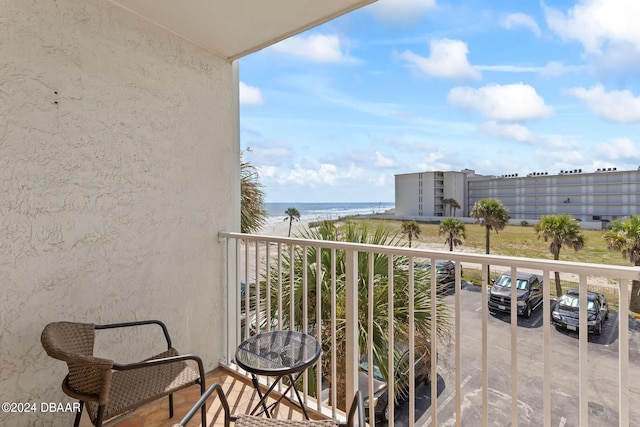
<point x="108" y="389"/>
<point x="356" y="416"/>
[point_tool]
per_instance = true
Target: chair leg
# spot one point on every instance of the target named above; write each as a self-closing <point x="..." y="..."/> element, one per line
<point x="100" y="416"/>
<point x="76" y="423"/>
<point x="171" y="406"/>
<point x="204" y="405"/>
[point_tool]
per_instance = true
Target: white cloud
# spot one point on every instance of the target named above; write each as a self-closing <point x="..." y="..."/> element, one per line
<point x="617" y="149"/>
<point x="561" y="142"/>
<point x="382" y="161"/>
<point x="501" y="102"/>
<point x="382" y="180"/>
<point x="560" y="152"/>
<point x="509" y="68"/>
<point x="515" y="20"/>
<point x="269" y="152"/>
<point x="433" y="161"/>
<point x="448" y="59"/>
<point x="617" y="105"/>
<point x="511" y="131"/>
<point x="250" y="95"/>
<point x="314" y="47"/>
<point x="607" y="29"/>
<point x="267" y="171"/>
<point x="556" y="69"/>
<point x="400" y="11"/>
<point x="325" y="174"/>
<point x="562" y="159"/>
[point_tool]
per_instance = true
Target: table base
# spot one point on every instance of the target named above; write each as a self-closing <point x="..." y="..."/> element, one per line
<point x="263" y="398"/>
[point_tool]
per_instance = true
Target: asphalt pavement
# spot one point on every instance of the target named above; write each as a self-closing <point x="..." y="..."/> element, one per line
<point x="602" y="379"/>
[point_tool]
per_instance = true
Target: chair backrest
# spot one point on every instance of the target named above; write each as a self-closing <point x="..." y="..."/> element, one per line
<point x="89" y="377"/>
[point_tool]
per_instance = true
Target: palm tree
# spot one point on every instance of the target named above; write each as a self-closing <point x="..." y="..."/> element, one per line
<point x="561" y="230"/>
<point x="410" y="229"/>
<point x="454" y="230"/>
<point x="291" y="215"/>
<point x="453" y="206"/>
<point x="252" y="214"/>
<point x="356" y="233"/>
<point x="624" y="237"/>
<point x="445" y="203"/>
<point x="493" y="215"/>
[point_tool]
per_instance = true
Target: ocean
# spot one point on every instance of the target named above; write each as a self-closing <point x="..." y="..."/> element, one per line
<point x="321" y="211"/>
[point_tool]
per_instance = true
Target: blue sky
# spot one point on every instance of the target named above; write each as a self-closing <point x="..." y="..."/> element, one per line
<point x="400" y="86"/>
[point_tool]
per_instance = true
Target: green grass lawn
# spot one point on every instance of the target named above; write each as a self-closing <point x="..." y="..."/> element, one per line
<point x="515" y="241"/>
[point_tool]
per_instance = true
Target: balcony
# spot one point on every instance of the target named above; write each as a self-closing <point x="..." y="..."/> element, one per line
<point x="238" y="389"/>
<point x="492" y="369"/>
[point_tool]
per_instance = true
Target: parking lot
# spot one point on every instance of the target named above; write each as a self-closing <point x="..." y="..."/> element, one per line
<point x="602" y="381"/>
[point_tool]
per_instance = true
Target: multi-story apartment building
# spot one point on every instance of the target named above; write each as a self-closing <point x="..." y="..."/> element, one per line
<point x="423" y="193"/>
<point x="599" y="196"/>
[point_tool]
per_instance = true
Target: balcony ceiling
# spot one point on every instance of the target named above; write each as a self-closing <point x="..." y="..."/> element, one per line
<point x="233" y="28"/>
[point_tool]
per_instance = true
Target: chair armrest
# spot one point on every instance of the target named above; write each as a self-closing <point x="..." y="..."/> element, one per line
<point x="139" y="323"/>
<point x="356" y="410"/>
<point x="195" y="408"/>
<point x="163" y="361"/>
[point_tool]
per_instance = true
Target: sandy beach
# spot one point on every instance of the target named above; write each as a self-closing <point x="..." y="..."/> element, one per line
<point x="281" y="229"/>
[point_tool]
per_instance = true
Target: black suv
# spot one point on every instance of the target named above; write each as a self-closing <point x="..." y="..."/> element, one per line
<point x="529" y="292"/>
<point x="445" y="273"/>
<point x="566" y="313"/>
<point x="380" y="398"/>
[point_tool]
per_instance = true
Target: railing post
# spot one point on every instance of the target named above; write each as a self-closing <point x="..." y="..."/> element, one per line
<point x="351" y="313"/>
<point x="623" y="353"/>
<point x="232" y="299"/>
<point x="546" y="345"/>
<point x="514" y="347"/>
<point x="485" y="346"/>
<point x="583" y="365"/>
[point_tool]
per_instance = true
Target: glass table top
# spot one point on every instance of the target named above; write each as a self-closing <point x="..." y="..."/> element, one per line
<point x="278" y="353"/>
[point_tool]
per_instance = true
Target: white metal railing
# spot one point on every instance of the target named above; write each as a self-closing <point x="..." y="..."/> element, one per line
<point x="255" y="259"/>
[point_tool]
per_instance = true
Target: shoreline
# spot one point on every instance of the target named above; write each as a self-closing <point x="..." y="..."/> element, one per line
<point x="281" y="228"/>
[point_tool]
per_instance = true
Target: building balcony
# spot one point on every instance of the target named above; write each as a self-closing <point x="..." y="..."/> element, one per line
<point x="238" y="389"/>
<point x="488" y="369"/>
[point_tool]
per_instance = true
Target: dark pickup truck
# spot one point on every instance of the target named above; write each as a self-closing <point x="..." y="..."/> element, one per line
<point x="529" y="292"/>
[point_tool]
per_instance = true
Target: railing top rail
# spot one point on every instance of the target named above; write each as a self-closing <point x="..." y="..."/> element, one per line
<point x="601" y="270"/>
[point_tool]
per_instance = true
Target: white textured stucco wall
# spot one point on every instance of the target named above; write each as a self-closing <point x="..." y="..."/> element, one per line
<point x="117" y="153"/>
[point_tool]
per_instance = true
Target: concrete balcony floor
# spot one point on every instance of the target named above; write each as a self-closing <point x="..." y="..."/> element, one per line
<point x="240" y="393"/>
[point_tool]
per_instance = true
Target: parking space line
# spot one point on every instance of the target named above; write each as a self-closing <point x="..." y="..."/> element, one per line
<point x="448" y="399"/>
<point x="613" y="329"/>
<point x="537" y="322"/>
<point x="563" y="420"/>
